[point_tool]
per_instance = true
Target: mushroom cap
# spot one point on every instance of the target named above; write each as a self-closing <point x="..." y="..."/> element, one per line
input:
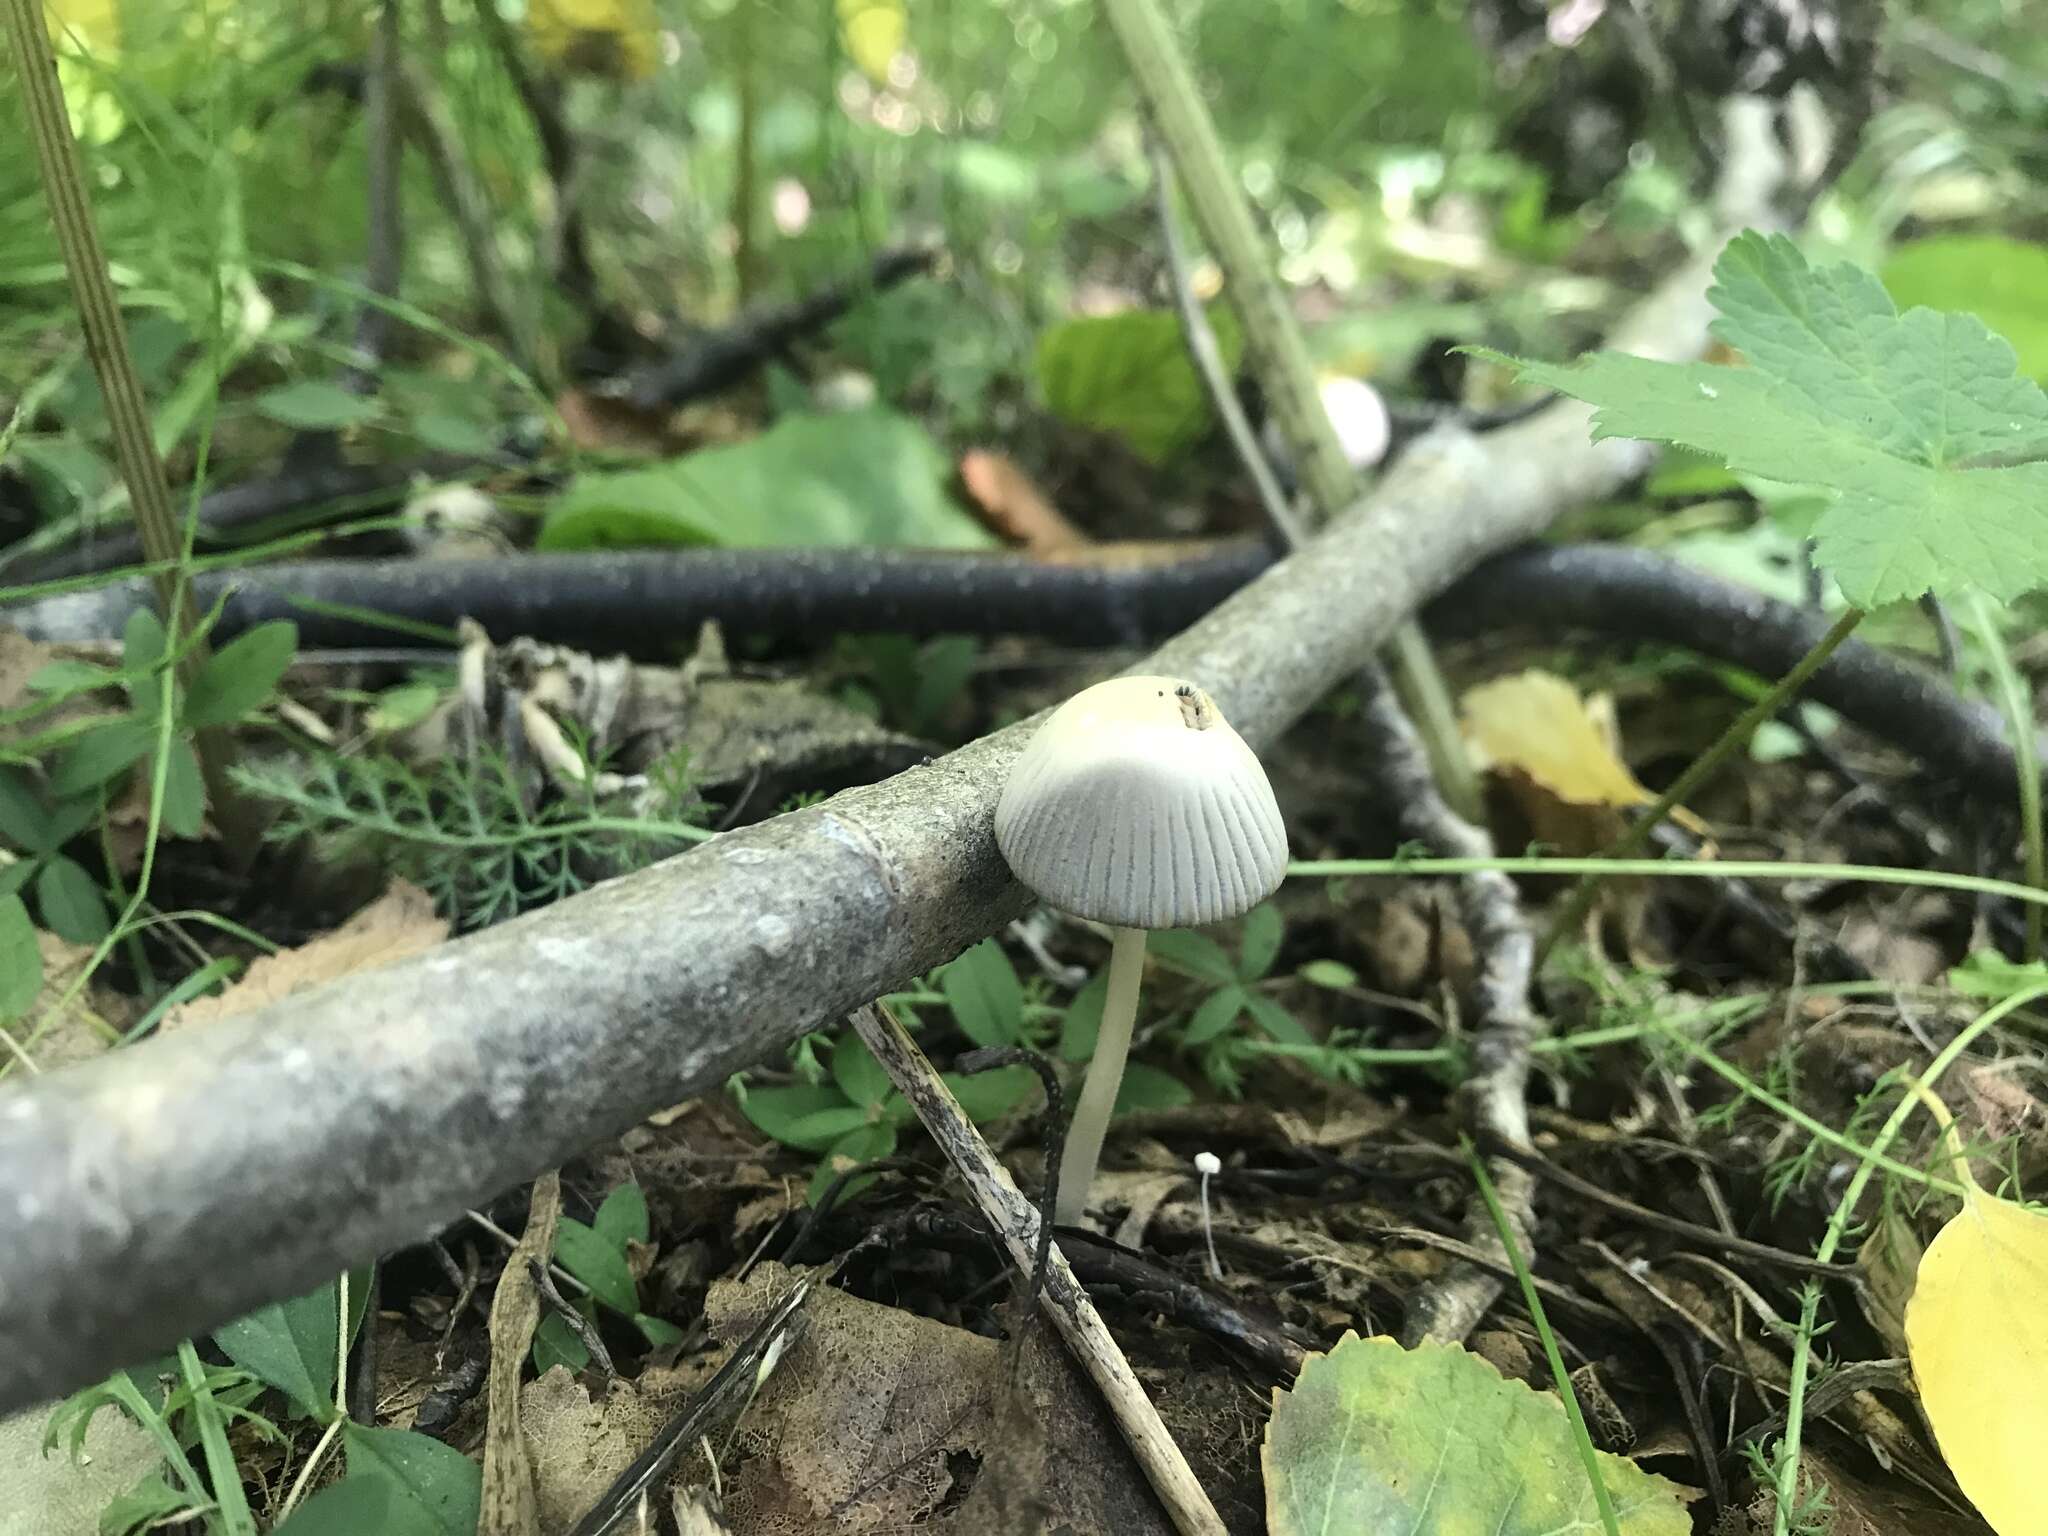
<point x="1137" y="805"/>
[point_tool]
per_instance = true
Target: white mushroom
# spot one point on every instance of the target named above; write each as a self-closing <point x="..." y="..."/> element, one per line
<point x="1138" y="806"/>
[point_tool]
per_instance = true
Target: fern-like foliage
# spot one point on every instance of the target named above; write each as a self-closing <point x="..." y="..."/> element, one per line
<point x="465" y="832"/>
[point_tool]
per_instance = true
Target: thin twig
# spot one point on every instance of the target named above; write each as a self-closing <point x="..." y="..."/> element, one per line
<point x="384" y="248"/>
<point x="996" y="1194"/>
<point x="430" y="123"/>
<point x="1055" y="1142"/>
<point x="578" y="1323"/>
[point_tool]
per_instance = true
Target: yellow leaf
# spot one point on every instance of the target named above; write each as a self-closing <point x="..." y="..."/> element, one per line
<point x="873" y="32"/>
<point x="1538" y="724"/>
<point x="94" y="24"/>
<point x="615" y="39"/>
<point x="1977" y="1333"/>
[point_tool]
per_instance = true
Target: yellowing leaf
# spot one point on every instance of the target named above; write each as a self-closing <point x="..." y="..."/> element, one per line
<point x="616" y="39"/>
<point x="873" y="33"/>
<point x="1977" y="1333"/>
<point x="96" y="24"/>
<point x="1433" y="1441"/>
<point x="1538" y="724"/>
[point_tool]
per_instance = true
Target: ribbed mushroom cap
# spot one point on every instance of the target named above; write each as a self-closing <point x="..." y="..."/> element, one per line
<point x="1136" y="804"/>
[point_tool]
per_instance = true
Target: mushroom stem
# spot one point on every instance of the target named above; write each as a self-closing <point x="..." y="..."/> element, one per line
<point x="1085" y="1132"/>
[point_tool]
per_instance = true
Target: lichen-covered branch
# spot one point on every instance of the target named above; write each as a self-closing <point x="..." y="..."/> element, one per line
<point x="357" y="1117"/>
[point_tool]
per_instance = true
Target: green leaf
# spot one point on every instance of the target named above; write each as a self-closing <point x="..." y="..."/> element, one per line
<point x="153" y="1499"/>
<point x="291" y="1346"/>
<point x="1218" y="1012"/>
<point x="71" y="902"/>
<point x="622" y="1219"/>
<point x="844" y="478"/>
<point x="555" y="1343"/>
<point x="987" y="1000"/>
<point x="800" y="1114"/>
<point x="1328" y="973"/>
<point x="598" y="1263"/>
<point x="1130" y="375"/>
<point x="24" y="815"/>
<point x="241" y="674"/>
<point x="1259" y="945"/>
<point x="1146" y="1087"/>
<point x="1432" y="1441"/>
<point x="659" y="1332"/>
<point x="315" y="406"/>
<point x="450" y="433"/>
<point x="21" y="962"/>
<point x="1082" y="1021"/>
<point x="868" y="1144"/>
<point x="433" y="1489"/>
<point x="142" y="645"/>
<point x="1985" y="973"/>
<point x="985" y="1095"/>
<point x="1276" y="1020"/>
<point x="1192" y="954"/>
<point x="69" y="677"/>
<point x="1891" y="415"/>
<point x="15" y="876"/>
<point x="854" y="1068"/>
<point x="2002" y="282"/>
<point x="100" y="753"/>
<point x="351" y="1507"/>
<point x="184" y="812"/>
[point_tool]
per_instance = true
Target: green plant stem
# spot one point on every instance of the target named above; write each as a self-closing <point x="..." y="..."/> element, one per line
<point x="106" y="343"/>
<point x="1275" y="349"/>
<point x="1090" y="1124"/>
<point x="221" y="1471"/>
<point x="2019" y="715"/>
<point x="1581" y="1436"/>
<point x="1838" y="1227"/>
<point x="1701" y="769"/>
<point x="1675" y="869"/>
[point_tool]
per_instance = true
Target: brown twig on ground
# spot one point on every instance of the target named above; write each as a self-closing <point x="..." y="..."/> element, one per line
<point x="1097" y="1261"/>
<point x="509" y="1507"/>
<point x="1015" y="1219"/>
<point x="579" y="1325"/>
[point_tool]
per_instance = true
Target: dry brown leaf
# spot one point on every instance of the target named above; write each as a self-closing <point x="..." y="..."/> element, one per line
<point x="399" y="923"/>
<point x="1013" y="506"/>
<point x="578" y="1447"/>
<point x="1557" y="749"/>
<point x="876" y="1415"/>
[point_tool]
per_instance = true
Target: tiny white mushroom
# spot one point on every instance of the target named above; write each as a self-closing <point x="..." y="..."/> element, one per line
<point x="1138" y="806"/>
<point x="1206" y="1164"/>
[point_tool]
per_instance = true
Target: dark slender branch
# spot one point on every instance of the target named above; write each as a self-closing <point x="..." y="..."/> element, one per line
<point x="637" y="601"/>
<point x="1055" y="1141"/>
<point x="384" y="251"/>
<point x="558" y="153"/>
<point x="432" y="126"/>
<point x="294" y="498"/>
<point x="722" y="358"/>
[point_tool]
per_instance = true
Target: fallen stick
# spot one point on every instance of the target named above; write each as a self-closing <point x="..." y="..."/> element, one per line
<point x="168" y="1187"/>
<point x="1016" y="1221"/>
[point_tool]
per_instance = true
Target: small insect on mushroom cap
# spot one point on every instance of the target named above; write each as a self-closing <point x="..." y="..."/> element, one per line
<point x="1137" y="805"/>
